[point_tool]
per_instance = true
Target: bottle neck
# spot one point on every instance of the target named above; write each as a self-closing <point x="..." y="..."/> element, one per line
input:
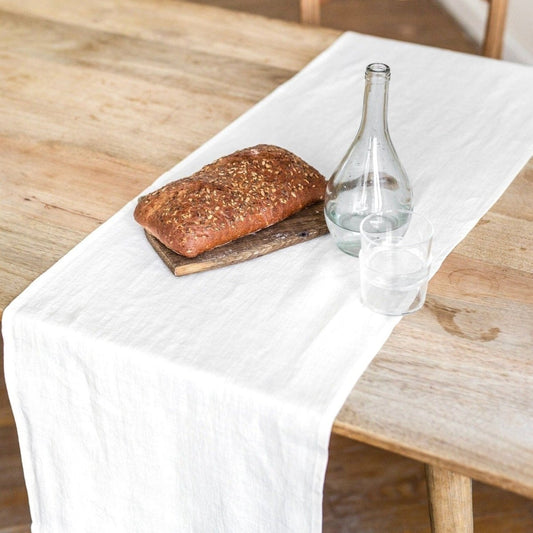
<point x="374" y="118"/>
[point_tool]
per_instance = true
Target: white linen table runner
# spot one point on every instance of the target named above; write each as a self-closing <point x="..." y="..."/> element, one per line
<point x="150" y="403"/>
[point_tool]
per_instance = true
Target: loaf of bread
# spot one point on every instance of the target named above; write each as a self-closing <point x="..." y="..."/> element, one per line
<point x="236" y="195"/>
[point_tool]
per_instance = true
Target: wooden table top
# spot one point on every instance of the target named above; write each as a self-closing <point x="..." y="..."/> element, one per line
<point x="99" y="98"/>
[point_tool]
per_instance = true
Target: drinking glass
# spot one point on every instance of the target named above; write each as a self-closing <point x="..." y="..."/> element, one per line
<point x="395" y="260"/>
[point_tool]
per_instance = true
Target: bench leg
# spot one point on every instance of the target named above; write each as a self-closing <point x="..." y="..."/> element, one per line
<point x="310" y="12"/>
<point x="450" y="501"/>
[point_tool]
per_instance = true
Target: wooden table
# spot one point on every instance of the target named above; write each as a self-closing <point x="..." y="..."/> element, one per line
<point x="99" y="98"/>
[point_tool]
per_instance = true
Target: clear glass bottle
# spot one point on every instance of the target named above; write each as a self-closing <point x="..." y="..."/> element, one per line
<point x="370" y="177"/>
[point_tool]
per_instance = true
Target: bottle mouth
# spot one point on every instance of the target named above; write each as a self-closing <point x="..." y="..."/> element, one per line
<point x="378" y="71"/>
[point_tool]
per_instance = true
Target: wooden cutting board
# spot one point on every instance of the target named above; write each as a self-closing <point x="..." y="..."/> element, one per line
<point x="302" y="226"/>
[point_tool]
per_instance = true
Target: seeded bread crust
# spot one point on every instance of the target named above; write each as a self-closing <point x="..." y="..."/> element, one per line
<point x="238" y="194"/>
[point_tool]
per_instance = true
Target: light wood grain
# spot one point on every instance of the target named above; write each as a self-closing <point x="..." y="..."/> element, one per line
<point x="466" y="356"/>
<point x="450" y="501"/>
<point x="99" y="98"/>
<point x="417" y="21"/>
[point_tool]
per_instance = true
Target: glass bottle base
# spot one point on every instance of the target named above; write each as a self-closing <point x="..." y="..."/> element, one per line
<point x="347" y="240"/>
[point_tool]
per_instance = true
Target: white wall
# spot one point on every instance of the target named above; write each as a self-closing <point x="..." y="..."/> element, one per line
<point x="518" y="43"/>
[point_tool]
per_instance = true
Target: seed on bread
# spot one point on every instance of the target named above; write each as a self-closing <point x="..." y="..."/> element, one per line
<point x="235" y="195"/>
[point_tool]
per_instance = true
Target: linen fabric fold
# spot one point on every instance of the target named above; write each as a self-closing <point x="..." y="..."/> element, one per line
<point x="146" y="402"/>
